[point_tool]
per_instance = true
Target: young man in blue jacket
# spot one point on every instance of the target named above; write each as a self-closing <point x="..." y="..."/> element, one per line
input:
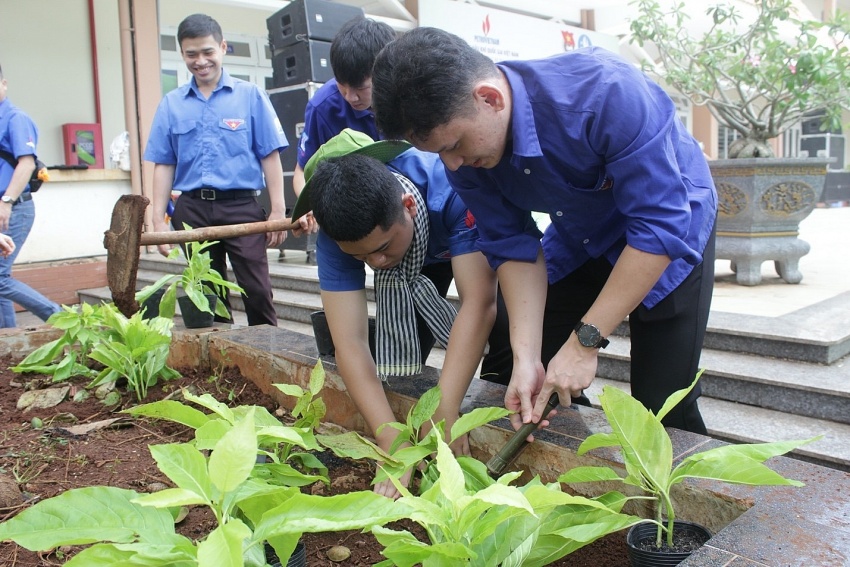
<point x="590" y="140"/>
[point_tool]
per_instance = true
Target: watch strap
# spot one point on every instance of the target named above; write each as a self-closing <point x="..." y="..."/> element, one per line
<point x="601" y="343"/>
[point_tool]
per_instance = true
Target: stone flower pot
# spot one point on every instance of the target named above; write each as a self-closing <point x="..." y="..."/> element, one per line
<point x="761" y="204"/>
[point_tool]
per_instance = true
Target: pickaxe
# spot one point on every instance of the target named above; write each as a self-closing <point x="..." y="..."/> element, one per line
<point x="125" y="236"/>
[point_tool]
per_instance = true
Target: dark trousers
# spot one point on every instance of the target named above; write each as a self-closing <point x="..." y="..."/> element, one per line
<point x="498" y="362"/>
<point x="666" y="340"/>
<point x="247" y="254"/>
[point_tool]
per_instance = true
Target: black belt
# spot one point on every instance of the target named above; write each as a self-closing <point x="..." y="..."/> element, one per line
<point x="24" y="197"/>
<point x="210" y="194"/>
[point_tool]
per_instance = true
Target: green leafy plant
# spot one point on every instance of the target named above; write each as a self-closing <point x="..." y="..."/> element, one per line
<point x="197" y="280"/>
<point x="134" y="348"/>
<point x="83" y="327"/>
<point x="279" y="462"/>
<point x="410" y="448"/>
<point x="758" y="78"/>
<point x="648" y="455"/>
<point x="469" y="517"/>
<point x="132" y="529"/>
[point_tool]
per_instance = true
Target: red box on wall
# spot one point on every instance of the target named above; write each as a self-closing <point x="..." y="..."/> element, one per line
<point x="83" y="145"/>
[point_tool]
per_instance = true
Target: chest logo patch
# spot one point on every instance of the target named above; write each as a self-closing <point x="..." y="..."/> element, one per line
<point x="233" y="123"/>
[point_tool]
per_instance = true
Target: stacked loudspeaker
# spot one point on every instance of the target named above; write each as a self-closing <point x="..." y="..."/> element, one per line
<point x="300" y="37"/>
<point x="818" y="141"/>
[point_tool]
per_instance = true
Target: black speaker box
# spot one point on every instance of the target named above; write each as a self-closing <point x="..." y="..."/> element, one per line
<point x="308" y="19"/>
<point x="306" y="61"/>
<point x="289" y="104"/>
<point x="812" y="122"/>
<point x="825" y="145"/>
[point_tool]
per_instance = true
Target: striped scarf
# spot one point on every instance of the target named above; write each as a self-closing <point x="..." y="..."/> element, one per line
<point x="400" y="293"/>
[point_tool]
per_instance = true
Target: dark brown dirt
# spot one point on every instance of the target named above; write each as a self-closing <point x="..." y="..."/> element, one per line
<point x="45" y="462"/>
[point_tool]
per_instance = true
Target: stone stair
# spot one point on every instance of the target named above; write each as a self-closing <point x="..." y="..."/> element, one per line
<point x="765" y="379"/>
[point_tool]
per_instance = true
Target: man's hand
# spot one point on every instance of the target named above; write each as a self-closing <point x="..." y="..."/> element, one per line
<point x="7" y="245"/>
<point x="306" y="225"/>
<point x="570" y="371"/>
<point x="523" y="391"/>
<point x="275" y="239"/>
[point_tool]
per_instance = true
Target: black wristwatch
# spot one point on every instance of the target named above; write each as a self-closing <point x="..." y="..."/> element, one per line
<point x="589" y="336"/>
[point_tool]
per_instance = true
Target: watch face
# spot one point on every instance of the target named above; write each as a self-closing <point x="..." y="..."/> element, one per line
<point x="588" y="335"/>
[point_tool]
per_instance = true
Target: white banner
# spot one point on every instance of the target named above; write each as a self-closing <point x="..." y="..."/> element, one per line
<point x="504" y="35"/>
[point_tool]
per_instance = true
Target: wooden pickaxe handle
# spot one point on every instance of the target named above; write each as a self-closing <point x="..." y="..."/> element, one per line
<point x="215" y="232"/>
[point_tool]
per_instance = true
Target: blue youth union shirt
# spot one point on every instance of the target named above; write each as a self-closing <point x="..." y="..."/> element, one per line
<point x="216" y="142"/>
<point x="327" y="114"/>
<point x="598" y="146"/>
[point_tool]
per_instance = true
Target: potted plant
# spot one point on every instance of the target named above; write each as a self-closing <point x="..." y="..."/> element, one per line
<point x="201" y="286"/>
<point x="647" y="454"/>
<point x="758" y="75"/>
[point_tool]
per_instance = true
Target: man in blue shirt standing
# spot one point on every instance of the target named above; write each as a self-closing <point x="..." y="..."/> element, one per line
<point x="18" y="138"/>
<point x="398" y="218"/>
<point x="590" y="140"/>
<point x="217" y="140"/>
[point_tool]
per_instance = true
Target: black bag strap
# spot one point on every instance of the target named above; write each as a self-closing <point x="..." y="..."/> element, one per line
<point x="9" y="158"/>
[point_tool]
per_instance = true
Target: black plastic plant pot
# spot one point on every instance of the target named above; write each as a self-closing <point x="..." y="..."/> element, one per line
<point x="150" y="306"/>
<point x="297" y="559"/>
<point x="194" y="318"/>
<point x="687" y="538"/>
<point x="324" y="340"/>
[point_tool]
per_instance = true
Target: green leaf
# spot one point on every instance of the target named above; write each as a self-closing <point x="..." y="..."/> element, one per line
<point x="172" y="498"/>
<point x="223" y="546"/>
<point x="424" y="408"/>
<point x="209" y="402"/>
<point x="647" y="450"/>
<point x="302" y="513"/>
<point x="735" y="469"/>
<point x="676" y="397"/>
<point x="82" y="516"/>
<point x="185" y="466"/>
<point x="476" y="418"/>
<point x="401" y="547"/>
<point x="589" y="474"/>
<point x="234" y="455"/>
<point x="354" y="446"/>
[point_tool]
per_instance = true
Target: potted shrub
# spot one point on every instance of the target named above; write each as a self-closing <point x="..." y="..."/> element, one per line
<point x="758" y="76"/>
<point x="647" y="454"/>
<point x="201" y="286"/>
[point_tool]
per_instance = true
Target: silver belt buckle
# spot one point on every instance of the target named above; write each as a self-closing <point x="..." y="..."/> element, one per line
<point x="208" y="194"/>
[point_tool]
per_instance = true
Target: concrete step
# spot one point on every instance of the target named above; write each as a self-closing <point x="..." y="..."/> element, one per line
<point x="800" y="388"/>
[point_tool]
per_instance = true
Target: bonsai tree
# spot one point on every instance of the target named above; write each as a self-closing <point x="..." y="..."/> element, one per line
<point x="758" y="77"/>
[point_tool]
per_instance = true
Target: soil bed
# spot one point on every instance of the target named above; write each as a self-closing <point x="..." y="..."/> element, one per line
<point x="45" y="460"/>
